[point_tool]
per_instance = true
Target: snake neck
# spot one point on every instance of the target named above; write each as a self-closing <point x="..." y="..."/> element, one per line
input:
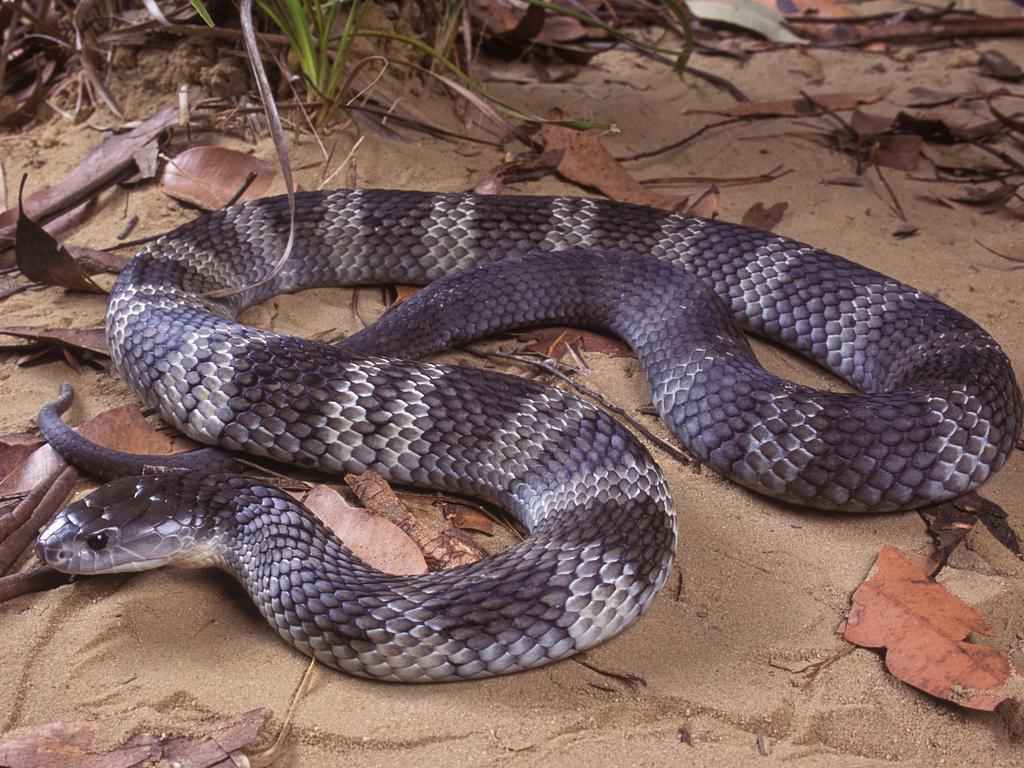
<point x="581" y="577"/>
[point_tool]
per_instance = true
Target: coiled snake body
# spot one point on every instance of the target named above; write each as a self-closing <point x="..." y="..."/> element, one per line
<point x="939" y="410"/>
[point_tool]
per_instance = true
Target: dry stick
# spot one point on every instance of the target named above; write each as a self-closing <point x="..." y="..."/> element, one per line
<point x="28" y="502"/>
<point x="37" y="580"/>
<point x="547" y="367"/>
<point x="1008" y="159"/>
<point x="914" y="14"/>
<point x="718" y="81"/>
<point x="440" y="549"/>
<point x="270" y="754"/>
<point x="52" y="498"/>
<point x="677" y="144"/>
<point x="892" y="195"/>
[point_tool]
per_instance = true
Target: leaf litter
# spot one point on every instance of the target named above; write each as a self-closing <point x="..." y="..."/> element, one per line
<point x="67" y="744"/>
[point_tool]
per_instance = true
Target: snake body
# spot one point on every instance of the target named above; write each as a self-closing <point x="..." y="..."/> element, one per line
<point x="938" y="410"/>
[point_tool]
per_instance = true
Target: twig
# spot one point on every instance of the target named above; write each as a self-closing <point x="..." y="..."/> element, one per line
<point x="723" y="181"/>
<point x="892" y="195"/>
<point x="249" y="179"/>
<point x="37" y="580"/>
<point x="1017" y="261"/>
<point x="270" y="754"/>
<point x="547" y="367"/>
<point x="914" y="14"/>
<point x="683" y="141"/>
<point x="440" y="549"/>
<point x="718" y="81"/>
<point x="632" y="680"/>
<point x="39" y="512"/>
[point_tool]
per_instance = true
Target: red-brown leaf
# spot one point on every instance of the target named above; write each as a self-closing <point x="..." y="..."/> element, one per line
<point x="210" y="177"/>
<point x="374" y="539"/>
<point x="922" y="626"/>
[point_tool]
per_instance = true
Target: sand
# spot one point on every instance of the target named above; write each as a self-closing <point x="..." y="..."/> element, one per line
<point x="721" y="670"/>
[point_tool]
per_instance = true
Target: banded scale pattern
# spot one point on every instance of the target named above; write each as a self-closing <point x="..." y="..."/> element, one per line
<point x="938" y="409"/>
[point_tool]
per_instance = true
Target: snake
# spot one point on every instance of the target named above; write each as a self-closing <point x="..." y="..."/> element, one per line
<point x="934" y="412"/>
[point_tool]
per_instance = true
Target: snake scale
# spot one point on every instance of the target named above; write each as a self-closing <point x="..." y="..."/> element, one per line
<point x="938" y="410"/>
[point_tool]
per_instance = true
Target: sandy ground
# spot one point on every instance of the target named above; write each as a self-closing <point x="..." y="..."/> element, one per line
<point x="760" y="586"/>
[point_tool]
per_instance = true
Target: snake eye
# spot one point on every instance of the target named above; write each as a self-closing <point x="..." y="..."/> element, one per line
<point x="97" y="541"/>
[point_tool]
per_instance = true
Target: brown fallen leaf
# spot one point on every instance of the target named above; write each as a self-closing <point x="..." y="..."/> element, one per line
<point x="997" y="65"/>
<point x="374" y="539"/>
<point x="922" y="626"/>
<point x="899" y="151"/>
<point x="99" y="261"/>
<point x="15" y="448"/>
<point x="213" y="750"/>
<point x="586" y="161"/>
<point x="993" y="517"/>
<point x="123" y="428"/>
<point x="212" y="177"/>
<point x="759" y="217"/>
<point x="939" y="29"/>
<point x="42" y="259"/>
<point x="403" y="293"/>
<point x="800" y="107"/>
<point x="64" y="745"/>
<point x="988" y="200"/>
<point x="440" y="549"/>
<point x="92" y="339"/>
<point x="949" y="525"/>
<point x="18" y="109"/>
<point x="706" y="206"/>
<point x="526" y="168"/>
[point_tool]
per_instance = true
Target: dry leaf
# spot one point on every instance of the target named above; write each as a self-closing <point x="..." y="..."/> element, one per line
<point x="376" y="541"/>
<point x="989" y="200"/>
<point x="92" y="339"/>
<point x="801" y="107"/>
<point x="922" y="626"/>
<point x="64" y="745"/>
<point x="899" y="151"/>
<point x="993" y="517"/>
<point x="759" y="217"/>
<point x="867" y="124"/>
<point x="463" y="515"/>
<point x="14" y="449"/>
<point x="43" y="260"/>
<point x="586" y="161"/>
<point x="467" y="519"/>
<point x="706" y="206"/>
<point x="525" y="168"/>
<point x="403" y="293"/>
<point x="440" y="549"/>
<point x="997" y="65"/>
<point x="122" y="428"/>
<point x="211" y="177"/>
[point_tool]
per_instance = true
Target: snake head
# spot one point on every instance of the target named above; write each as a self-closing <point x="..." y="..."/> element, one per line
<point x="130" y="524"/>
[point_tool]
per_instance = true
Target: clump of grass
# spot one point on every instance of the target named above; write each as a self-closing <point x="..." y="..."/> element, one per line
<point x="321" y="35"/>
